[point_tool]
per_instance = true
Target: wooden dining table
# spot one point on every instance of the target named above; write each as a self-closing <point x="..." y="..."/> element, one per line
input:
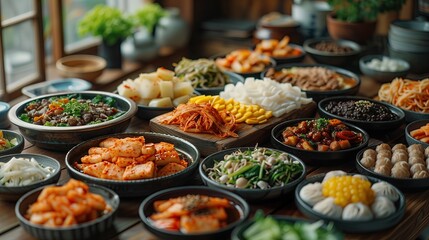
<point x="127" y="224"/>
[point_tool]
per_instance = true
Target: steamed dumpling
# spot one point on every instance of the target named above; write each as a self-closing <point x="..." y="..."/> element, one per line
<point x="312" y="193"/>
<point x="417" y="168"/>
<point x="383" y="146"/>
<point x="421" y="174"/>
<point x="399" y="146"/>
<point x="361" y="176"/>
<point x="329" y="208"/>
<point x="368" y="162"/>
<point x="386" y="190"/>
<point x="382" y="207"/>
<point x="335" y="173"/>
<point x="357" y="211"/>
<point x="370" y="153"/>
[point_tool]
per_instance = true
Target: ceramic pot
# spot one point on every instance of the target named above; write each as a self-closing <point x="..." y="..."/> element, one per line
<point x="140" y="47"/>
<point x="172" y="30"/>
<point x="312" y="17"/>
<point x="111" y="53"/>
<point x="357" y="32"/>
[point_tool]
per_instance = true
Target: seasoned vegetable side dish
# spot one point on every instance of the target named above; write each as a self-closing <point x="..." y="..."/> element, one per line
<point x="244" y="61"/>
<point x="22" y="171"/>
<point x="6" y="143"/>
<point x="421" y="134"/>
<point x="131" y="158"/>
<point x="70" y="110"/>
<point x="193" y="214"/>
<point x="321" y="135"/>
<point x="67" y="205"/>
<point x="277" y="49"/>
<point x="202" y="73"/>
<point x="260" y="168"/>
<point x="361" y="110"/>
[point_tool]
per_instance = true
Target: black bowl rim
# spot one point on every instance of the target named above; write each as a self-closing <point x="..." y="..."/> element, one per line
<point x="231" y="75"/>
<point x="410" y="125"/>
<point x="330" y="67"/>
<point x="414" y="112"/>
<point x="68" y="161"/>
<point x="56" y="173"/>
<point x="281" y="126"/>
<point x="309" y="49"/>
<point x="363" y="60"/>
<point x="181" y="191"/>
<point x="19" y="138"/>
<point x="323" y="102"/>
<point x="319" y="178"/>
<point x="124" y="117"/>
<point x="281" y="218"/>
<point x="203" y="173"/>
<point x="414" y="183"/>
<point x="73" y="227"/>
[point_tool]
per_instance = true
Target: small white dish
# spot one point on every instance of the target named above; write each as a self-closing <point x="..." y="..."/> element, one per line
<point x="54" y="86"/>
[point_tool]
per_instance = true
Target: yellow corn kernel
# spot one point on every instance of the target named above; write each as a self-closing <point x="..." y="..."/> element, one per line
<point x="238" y="115"/>
<point x="255" y="107"/>
<point x="252" y="121"/>
<point x="234" y="111"/>
<point x="260" y="112"/>
<point x="268" y="114"/>
<point x="247" y="115"/>
<point x="203" y="99"/>
<point x="230" y="101"/>
<point x="221" y="107"/>
<point x="262" y="117"/>
<point x="227" y="119"/>
<point x="263" y="121"/>
<point x="216" y="106"/>
<point x="242" y="110"/>
<point x="240" y="120"/>
<point x="229" y="107"/>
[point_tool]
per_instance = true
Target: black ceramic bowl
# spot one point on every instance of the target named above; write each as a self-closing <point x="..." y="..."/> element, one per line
<point x="411" y="116"/>
<point x="405" y="184"/>
<point x="411" y="29"/>
<point x="89" y="230"/>
<point x="9" y="135"/>
<point x="234" y="79"/>
<point x="14" y="193"/>
<point x="317" y="157"/>
<point x="241" y="212"/>
<point x="352" y="226"/>
<point x="366" y="125"/>
<point x="382" y="76"/>
<point x="64" y="138"/>
<point x="273" y="63"/>
<point x="337" y="59"/>
<point x="248" y="194"/>
<point x="413" y="126"/>
<point x="319" y="95"/>
<point x="143" y="187"/>
<point x="238" y="233"/>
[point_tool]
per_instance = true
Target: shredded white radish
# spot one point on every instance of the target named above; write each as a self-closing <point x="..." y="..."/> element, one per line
<point x="273" y="96"/>
<point x="22" y="171"/>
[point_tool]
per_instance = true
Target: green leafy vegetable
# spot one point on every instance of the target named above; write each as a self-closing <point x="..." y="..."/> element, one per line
<point x="75" y="108"/>
<point x="24" y="117"/>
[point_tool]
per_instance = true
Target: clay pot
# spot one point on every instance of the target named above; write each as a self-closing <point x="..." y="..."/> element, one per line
<point x="358" y="32"/>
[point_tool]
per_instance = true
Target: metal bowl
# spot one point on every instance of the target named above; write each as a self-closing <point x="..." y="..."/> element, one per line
<point x="64" y="138"/>
<point x="146" y="209"/>
<point x="9" y="135"/>
<point x="89" y="230"/>
<point x="248" y="194"/>
<point x="14" y="193"/>
<point x="143" y="187"/>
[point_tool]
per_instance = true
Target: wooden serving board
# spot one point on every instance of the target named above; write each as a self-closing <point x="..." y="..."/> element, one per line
<point x="248" y="135"/>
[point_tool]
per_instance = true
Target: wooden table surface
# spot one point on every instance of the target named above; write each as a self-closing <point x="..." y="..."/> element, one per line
<point x="128" y="225"/>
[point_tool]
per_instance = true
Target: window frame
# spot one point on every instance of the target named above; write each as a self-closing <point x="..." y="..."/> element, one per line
<point x="11" y="91"/>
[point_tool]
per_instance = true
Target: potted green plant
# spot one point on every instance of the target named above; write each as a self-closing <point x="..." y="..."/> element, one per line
<point x="112" y="26"/>
<point x="356" y="19"/>
<point x="148" y="16"/>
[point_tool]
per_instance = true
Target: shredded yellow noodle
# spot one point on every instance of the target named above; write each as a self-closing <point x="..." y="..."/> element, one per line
<point x="407" y="94"/>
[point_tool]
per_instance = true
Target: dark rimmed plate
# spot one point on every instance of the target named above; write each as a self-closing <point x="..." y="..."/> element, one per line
<point x="233" y="77"/>
<point x="366" y="125"/>
<point x="319" y="95"/>
<point x="348" y="225"/>
<point x="238" y="232"/>
<point x="146" y="209"/>
<point x="143" y="187"/>
<point x="316" y="157"/>
<point x="89" y="230"/>
<point x="249" y="194"/>
<point x="14" y="193"/>
<point x="404" y="184"/>
<point x="413" y="126"/>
